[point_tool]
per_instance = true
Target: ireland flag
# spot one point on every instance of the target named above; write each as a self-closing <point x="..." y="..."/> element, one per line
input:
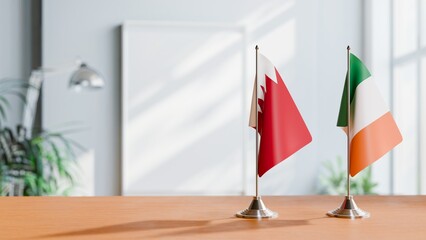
<point x="373" y="131"/>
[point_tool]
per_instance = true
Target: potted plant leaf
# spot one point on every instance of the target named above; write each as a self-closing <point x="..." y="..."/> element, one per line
<point x="333" y="180"/>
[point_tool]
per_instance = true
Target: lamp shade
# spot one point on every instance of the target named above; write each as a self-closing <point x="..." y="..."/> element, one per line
<point x="86" y="78"/>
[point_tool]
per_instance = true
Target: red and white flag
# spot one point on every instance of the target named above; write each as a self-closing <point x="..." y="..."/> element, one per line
<point x="281" y="127"/>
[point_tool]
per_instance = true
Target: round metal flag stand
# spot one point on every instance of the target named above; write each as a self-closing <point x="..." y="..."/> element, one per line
<point x="257" y="209"/>
<point x="348" y="209"/>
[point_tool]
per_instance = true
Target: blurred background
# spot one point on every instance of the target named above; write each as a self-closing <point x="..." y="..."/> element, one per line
<point x="172" y="115"/>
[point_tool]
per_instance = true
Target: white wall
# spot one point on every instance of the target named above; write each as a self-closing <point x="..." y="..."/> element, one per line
<point x="15" y="47"/>
<point x="306" y="39"/>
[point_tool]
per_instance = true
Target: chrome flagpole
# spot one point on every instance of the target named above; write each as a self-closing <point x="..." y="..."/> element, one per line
<point x="257" y="123"/>
<point x="348" y="209"/>
<point x="257" y="208"/>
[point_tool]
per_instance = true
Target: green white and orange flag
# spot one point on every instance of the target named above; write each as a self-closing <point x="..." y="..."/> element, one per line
<point x="373" y="131"/>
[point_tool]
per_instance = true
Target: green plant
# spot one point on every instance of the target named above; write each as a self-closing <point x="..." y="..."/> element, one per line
<point x="334" y="180"/>
<point x="33" y="166"/>
<point x="41" y="165"/>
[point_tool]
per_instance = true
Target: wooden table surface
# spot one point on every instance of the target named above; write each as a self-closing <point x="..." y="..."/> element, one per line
<point x="301" y="217"/>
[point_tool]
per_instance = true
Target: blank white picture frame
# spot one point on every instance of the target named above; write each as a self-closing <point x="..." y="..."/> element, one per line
<point x="184" y="121"/>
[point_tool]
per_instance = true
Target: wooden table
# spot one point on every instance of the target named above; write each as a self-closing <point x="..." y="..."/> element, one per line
<point x="301" y="217"/>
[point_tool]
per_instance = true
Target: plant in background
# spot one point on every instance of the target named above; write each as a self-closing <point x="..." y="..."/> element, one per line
<point x="36" y="166"/>
<point x="334" y="180"/>
<point x="33" y="166"/>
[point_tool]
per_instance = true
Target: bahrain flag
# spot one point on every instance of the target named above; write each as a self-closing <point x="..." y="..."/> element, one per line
<point x="281" y="128"/>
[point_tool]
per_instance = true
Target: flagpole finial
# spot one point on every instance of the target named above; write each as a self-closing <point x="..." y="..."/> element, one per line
<point x="257" y="47"/>
<point x="349" y="48"/>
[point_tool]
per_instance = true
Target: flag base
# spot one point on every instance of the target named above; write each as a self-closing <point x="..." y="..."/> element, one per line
<point x="348" y="209"/>
<point x="257" y="209"/>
